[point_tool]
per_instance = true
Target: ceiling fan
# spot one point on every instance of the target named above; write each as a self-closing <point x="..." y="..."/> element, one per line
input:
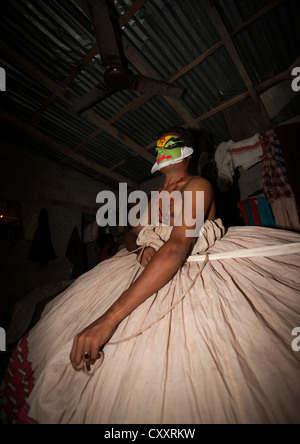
<point x="116" y="77"/>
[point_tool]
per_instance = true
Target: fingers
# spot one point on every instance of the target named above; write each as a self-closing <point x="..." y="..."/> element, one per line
<point x="94" y="353"/>
<point x="86" y="345"/>
<point x="73" y="354"/>
<point x="148" y="255"/>
<point x="77" y="353"/>
<point x="84" y="349"/>
<point x="145" y="257"/>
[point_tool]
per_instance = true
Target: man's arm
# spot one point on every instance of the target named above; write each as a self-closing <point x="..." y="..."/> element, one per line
<point x="162" y="267"/>
<point x="167" y="260"/>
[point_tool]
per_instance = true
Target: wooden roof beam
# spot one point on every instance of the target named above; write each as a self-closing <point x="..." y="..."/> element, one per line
<point x="144" y="69"/>
<point x="142" y="99"/>
<point x="66" y="83"/>
<point x="67" y="97"/>
<point x="122" y="21"/>
<point x="62" y="149"/>
<point x="228" y="42"/>
<point x="257" y="16"/>
<point x="89" y="57"/>
<point x="139" y="101"/>
<point x="260" y="88"/>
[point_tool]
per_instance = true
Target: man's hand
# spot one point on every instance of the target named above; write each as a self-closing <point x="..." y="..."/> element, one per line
<point x="145" y="257"/>
<point x="90" y="341"/>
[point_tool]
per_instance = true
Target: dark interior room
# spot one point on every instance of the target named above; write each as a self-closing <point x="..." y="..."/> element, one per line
<point x="101" y="96"/>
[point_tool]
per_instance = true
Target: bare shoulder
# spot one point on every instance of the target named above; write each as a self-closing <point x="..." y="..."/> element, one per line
<point x="198" y="183"/>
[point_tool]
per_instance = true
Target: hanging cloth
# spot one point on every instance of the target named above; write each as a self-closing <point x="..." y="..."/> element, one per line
<point x="255" y="212"/>
<point x="42" y="249"/>
<point x="74" y="253"/>
<point x="274" y="179"/>
<point x="249" y="213"/>
<point x="243" y="210"/>
<point x="289" y="136"/>
<point x="265" y="213"/>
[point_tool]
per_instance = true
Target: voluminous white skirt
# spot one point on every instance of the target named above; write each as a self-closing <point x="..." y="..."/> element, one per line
<point x="223" y="354"/>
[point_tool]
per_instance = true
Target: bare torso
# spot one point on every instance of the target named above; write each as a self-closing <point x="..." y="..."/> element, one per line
<point x="201" y="185"/>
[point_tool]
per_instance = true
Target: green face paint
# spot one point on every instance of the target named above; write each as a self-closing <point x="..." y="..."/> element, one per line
<point x="163" y="155"/>
<point x="170" y="149"/>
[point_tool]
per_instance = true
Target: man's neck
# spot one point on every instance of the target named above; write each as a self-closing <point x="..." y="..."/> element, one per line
<point x="171" y="177"/>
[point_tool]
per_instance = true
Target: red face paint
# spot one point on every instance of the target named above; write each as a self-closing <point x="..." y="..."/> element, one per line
<point x="163" y="158"/>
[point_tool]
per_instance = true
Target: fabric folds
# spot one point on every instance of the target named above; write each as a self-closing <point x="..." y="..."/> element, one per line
<point x="222" y="355"/>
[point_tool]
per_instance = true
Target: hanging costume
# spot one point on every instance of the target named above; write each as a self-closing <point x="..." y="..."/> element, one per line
<point x="41" y="250"/>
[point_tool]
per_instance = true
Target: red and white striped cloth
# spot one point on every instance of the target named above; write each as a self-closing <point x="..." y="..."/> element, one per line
<point x="275" y="184"/>
<point x="247" y="152"/>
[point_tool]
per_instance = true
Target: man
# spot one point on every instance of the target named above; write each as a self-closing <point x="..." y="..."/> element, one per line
<point x="198" y="341"/>
<point x="172" y="160"/>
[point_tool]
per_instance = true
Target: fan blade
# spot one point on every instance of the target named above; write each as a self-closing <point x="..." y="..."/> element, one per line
<point x="99" y="92"/>
<point x="147" y="85"/>
<point x="107" y="33"/>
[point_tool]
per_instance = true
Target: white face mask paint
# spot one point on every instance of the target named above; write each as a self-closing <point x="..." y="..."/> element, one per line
<point x="170" y="150"/>
<point x="185" y="152"/>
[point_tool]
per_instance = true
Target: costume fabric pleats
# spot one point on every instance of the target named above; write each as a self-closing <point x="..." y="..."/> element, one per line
<point x="221" y="355"/>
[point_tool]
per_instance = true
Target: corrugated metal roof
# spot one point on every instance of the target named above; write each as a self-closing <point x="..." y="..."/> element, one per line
<point x="106" y="150"/>
<point x="289" y="112"/>
<point x="54" y="35"/>
<point x="146" y="122"/>
<point x="169" y="35"/>
<point x="267" y="47"/>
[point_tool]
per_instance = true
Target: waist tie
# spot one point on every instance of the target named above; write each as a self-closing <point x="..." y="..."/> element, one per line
<point x="99" y="362"/>
<point x="274" y="250"/>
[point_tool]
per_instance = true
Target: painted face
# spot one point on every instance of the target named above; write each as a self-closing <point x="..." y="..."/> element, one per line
<point x="170" y="149"/>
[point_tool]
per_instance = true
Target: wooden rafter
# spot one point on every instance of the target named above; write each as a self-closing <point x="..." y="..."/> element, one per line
<point x="66" y="83"/>
<point x="29" y="69"/>
<point x="70" y="99"/>
<point x="63" y="149"/>
<point x="260" y="88"/>
<point x="228" y="42"/>
<point x="257" y="15"/>
<point x="59" y="91"/>
<point x="109" y="171"/>
<point x="143" y="98"/>
<point x="138" y="62"/>
<point x="89" y="57"/>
